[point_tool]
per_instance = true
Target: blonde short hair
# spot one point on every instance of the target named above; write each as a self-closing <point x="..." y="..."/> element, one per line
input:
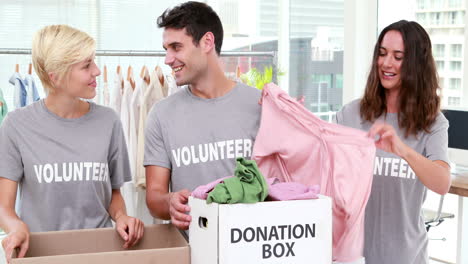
<point x="56" y="48"/>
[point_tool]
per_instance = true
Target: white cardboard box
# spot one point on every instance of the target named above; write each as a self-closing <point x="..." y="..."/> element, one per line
<point x="283" y="232"/>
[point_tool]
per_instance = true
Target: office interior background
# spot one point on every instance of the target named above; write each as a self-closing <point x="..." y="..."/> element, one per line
<point x="322" y="48"/>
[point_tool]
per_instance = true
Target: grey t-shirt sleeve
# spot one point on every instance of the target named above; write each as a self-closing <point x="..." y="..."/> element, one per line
<point x="437" y="141"/>
<point x="119" y="164"/>
<point x="348" y="114"/>
<point x="11" y="166"/>
<point x="155" y="150"/>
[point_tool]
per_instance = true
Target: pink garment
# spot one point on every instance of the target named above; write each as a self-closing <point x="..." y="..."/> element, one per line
<point x="201" y="192"/>
<point x="285" y="191"/>
<point x="301" y="99"/>
<point x="293" y="145"/>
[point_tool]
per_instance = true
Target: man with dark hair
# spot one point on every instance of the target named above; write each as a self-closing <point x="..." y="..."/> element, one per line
<point x="197" y="19"/>
<point x="194" y="136"/>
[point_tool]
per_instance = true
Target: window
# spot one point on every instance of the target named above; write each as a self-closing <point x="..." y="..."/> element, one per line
<point x="456" y="51"/>
<point x="316" y="36"/>
<point x="453" y="101"/>
<point x="455" y="84"/>
<point x="101" y="19"/>
<point x="455" y="66"/>
<point x="456" y="17"/>
<point x="421" y="4"/>
<point x="453" y="18"/>
<point x="439" y="50"/>
<point x="314" y="44"/>
<point x="316" y="32"/>
<point x="440" y="65"/>
<point x="454" y="3"/>
<point x="421" y="18"/>
<point x="435" y="18"/>
<point x="437" y="3"/>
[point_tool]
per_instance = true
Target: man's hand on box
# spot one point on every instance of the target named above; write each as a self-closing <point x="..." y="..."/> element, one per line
<point x="131" y="229"/>
<point x="18" y="238"/>
<point x="178" y="208"/>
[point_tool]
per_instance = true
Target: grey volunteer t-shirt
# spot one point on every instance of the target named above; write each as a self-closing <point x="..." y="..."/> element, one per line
<point x="198" y="139"/>
<point x="394" y="226"/>
<point x="66" y="168"/>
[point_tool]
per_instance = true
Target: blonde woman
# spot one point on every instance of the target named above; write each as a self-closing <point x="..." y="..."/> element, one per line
<point x="67" y="155"/>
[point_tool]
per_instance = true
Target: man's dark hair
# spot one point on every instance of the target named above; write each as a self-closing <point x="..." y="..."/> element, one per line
<point x="197" y="19"/>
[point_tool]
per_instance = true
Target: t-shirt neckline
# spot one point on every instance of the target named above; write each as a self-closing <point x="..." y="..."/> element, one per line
<point x="69" y="120"/>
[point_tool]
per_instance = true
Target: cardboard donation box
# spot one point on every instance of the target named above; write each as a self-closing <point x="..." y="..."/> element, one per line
<point x="161" y="244"/>
<point x="280" y="232"/>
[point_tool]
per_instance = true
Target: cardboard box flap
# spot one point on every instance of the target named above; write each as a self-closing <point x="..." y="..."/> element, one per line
<point x="179" y="255"/>
<point x="154" y="256"/>
<point x="100" y="240"/>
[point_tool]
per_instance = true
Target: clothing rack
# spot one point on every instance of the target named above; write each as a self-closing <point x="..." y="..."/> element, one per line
<point x="159" y="53"/>
<point x="155" y="53"/>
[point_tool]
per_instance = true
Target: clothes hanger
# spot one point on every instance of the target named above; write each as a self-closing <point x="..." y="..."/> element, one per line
<point x="105" y="74"/>
<point x="142" y="72"/>
<point x="160" y="74"/>
<point x="122" y="82"/>
<point x="17" y="68"/>
<point x="130" y="77"/>
<point x="30" y="69"/>
<point x="129" y="72"/>
<point x="238" y="72"/>
<point x="144" y="75"/>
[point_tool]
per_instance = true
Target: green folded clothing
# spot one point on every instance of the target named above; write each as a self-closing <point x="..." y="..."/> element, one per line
<point x="247" y="186"/>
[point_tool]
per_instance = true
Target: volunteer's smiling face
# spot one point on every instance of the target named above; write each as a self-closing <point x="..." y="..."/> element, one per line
<point x="81" y="80"/>
<point x="391" y="56"/>
<point x="185" y="58"/>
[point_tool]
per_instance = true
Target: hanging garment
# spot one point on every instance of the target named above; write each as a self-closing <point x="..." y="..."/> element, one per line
<point x="128" y="190"/>
<point x="134" y="119"/>
<point x="3" y="107"/>
<point x="171" y="83"/>
<point x="105" y="94"/>
<point x="162" y="81"/>
<point x="153" y="94"/>
<point x="118" y="92"/>
<point x="247" y="186"/>
<point x="293" y="145"/>
<point x="98" y="97"/>
<point x="125" y="109"/>
<point x="127" y="116"/>
<point x="20" y="94"/>
<point x="32" y="95"/>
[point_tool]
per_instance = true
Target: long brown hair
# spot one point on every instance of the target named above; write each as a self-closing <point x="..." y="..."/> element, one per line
<point x="418" y="99"/>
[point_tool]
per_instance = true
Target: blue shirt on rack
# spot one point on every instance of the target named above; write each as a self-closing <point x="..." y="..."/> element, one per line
<point x="25" y="90"/>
